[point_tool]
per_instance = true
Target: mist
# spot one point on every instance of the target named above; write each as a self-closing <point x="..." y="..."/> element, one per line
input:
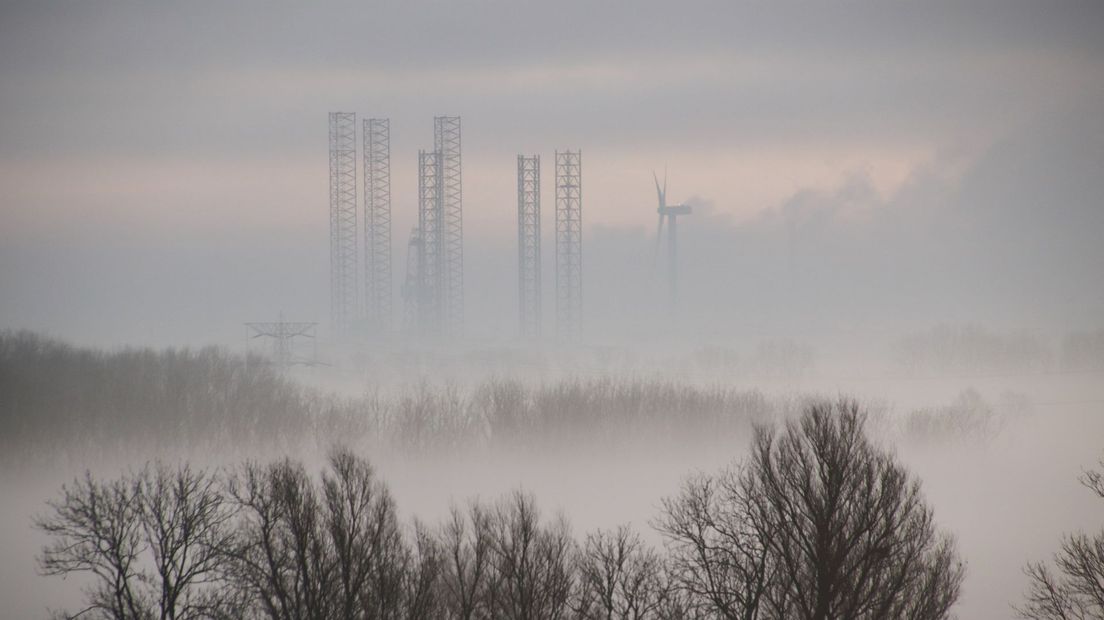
<point x="895" y="206"/>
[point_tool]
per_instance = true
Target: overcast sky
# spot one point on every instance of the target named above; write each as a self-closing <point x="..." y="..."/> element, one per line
<point x="163" y="167"/>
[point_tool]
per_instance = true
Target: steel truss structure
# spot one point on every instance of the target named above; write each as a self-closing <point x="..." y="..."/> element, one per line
<point x="529" y="245"/>
<point x="432" y="286"/>
<point x="343" y="221"/>
<point x="569" y="245"/>
<point x="376" y="137"/>
<point x="411" y="288"/>
<point x="446" y="143"/>
<point x="283" y="335"/>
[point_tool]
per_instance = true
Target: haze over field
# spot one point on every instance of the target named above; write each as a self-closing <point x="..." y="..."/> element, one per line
<point x="900" y="204"/>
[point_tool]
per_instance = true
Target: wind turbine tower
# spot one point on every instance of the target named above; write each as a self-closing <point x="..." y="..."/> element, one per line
<point x="670" y="213"/>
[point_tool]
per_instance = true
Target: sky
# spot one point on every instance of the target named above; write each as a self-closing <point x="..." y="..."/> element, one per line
<point x="163" y="168"/>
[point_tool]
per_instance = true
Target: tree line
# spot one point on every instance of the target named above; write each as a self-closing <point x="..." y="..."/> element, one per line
<point x="817" y="523"/>
<point x="59" y="400"/>
<point x="973" y="348"/>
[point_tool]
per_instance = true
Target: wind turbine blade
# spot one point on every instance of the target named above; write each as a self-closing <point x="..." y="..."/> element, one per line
<point x="659" y="192"/>
<point x="664" y="184"/>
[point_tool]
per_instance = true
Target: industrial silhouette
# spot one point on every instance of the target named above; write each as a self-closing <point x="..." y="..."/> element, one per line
<point x="670" y="213"/>
<point x="433" y="287"/>
<point x="529" y="246"/>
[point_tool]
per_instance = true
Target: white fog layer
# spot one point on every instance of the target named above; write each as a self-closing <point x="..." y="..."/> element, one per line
<point x="301" y="272"/>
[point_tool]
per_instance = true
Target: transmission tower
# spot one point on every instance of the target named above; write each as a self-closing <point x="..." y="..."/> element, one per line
<point x="283" y="335"/>
<point x="343" y="220"/>
<point x="569" y="245"/>
<point x="529" y="246"/>
<point x="432" y="283"/>
<point x="376" y="135"/>
<point x="446" y="142"/>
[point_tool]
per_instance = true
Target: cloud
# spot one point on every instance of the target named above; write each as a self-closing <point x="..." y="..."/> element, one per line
<point x="1012" y="238"/>
<point x="252" y="79"/>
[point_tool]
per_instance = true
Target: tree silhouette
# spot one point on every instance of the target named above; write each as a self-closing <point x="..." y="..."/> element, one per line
<point x="533" y="562"/>
<point x="818" y="523"/>
<point x="336" y="552"/>
<point x="467" y="555"/>
<point x="619" y="578"/>
<point x="1076" y="590"/>
<point x="152" y="540"/>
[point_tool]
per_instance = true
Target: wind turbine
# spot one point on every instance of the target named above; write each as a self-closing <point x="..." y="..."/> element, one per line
<point x="669" y="213"/>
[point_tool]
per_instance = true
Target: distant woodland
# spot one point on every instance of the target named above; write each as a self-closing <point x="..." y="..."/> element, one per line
<point x="57" y="399"/>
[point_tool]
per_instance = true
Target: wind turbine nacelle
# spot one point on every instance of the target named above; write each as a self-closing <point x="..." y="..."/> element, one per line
<point x="675" y="210"/>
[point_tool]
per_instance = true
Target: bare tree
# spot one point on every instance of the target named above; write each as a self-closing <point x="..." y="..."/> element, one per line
<point x="817" y="524"/>
<point x="186" y="521"/>
<point x="618" y="578"/>
<point x="1076" y="590"/>
<point x="532" y="562"/>
<point x="677" y="604"/>
<point x="422" y="586"/>
<point x="849" y="527"/>
<point x="467" y="556"/>
<point x="337" y="552"/>
<point x="365" y="536"/>
<point x="152" y="540"/>
<point x="281" y="556"/>
<point x="96" y="528"/>
<point x="718" y="545"/>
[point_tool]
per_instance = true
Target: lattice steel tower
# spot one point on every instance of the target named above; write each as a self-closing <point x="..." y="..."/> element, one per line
<point x="529" y="246"/>
<point x="283" y="335"/>
<point x="376" y="135"/>
<point x="569" y="245"/>
<point x="446" y="142"/>
<point x="412" y="283"/>
<point x="343" y="221"/>
<point x="432" y="283"/>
